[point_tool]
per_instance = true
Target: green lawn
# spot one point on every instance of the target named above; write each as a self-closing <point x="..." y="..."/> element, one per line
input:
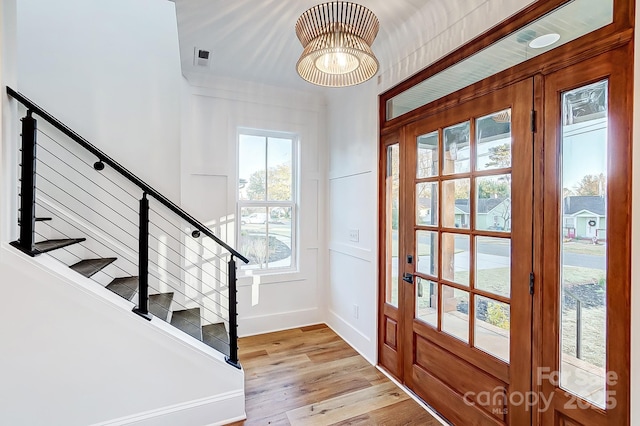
<point x="584" y="247"/>
<point x="497" y="280"/>
<point x="578" y="275"/>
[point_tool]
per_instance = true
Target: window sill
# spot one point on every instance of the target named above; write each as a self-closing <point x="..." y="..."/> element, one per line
<point x="268" y="277"/>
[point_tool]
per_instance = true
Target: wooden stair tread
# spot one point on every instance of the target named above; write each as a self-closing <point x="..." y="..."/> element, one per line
<point x="216" y="336"/>
<point x="188" y="320"/>
<point x="124" y="287"/>
<point x="159" y="305"/>
<point x="50" y="245"/>
<point x="88" y="267"/>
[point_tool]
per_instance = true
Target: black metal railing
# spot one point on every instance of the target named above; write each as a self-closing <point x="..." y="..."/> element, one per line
<point x="578" y="322"/>
<point x="184" y="272"/>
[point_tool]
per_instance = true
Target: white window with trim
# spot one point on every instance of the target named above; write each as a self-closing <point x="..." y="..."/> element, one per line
<point x="267" y="199"/>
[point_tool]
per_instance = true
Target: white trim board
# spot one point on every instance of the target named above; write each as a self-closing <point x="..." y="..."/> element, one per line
<point x="342" y="327"/>
<point x="196" y="412"/>
<point x="263" y="324"/>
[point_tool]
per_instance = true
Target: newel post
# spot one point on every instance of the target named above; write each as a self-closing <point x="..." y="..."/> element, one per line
<point x="233" y="314"/>
<point x="143" y="261"/>
<point x="27" y="186"/>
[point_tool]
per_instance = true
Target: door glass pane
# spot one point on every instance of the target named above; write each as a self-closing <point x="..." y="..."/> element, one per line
<point x="427" y="204"/>
<point x="491" y="328"/>
<point x="455" y="312"/>
<point x="392" y="217"/>
<point x="583" y="275"/>
<point x="493" y="265"/>
<point x="427" y="155"/>
<point x="455" y="258"/>
<point x="493" y="135"/>
<point x="455" y="203"/>
<point x="493" y="203"/>
<point x="456" y="149"/>
<point x="427" y="245"/>
<point x="427" y="301"/>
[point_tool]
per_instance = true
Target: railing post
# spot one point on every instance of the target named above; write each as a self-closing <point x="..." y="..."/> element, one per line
<point x="578" y="328"/>
<point x="143" y="261"/>
<point x="28" y="186"/>
<point x="233" y="314"/>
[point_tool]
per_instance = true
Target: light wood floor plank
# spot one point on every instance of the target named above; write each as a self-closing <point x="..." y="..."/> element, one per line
<point x="353" y="404"/>
<point x="310" y="376"/>
<point x="405" y="413"/>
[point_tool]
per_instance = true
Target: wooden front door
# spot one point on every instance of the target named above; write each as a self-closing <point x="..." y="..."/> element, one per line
<point x="457" y="323"/>
<point x="507" y="273"/>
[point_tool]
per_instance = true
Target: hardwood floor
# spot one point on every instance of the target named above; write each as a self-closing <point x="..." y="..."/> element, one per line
<point x="310" y="376"/>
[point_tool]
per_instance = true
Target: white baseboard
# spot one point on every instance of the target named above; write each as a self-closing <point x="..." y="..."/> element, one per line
<point x="354" y="337"/>
<point x="261" y="324"/>
<point x="211" y="411"/>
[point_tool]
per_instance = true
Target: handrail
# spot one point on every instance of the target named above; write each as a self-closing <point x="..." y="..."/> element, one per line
<point x="120" y="169"/>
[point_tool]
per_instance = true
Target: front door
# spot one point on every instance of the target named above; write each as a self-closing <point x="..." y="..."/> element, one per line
<point x="466" y="258"/>
<point x="488" y="252"/>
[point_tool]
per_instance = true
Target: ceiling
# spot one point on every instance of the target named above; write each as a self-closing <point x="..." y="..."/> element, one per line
<point x="255" y="40"/>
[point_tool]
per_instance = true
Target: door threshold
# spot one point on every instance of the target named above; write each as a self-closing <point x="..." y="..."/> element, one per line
<point x="413" y="396"/>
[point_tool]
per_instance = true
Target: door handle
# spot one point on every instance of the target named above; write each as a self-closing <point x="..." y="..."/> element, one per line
<point x="408" y="277"/>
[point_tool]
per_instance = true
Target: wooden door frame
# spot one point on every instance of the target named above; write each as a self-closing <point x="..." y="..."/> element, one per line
<point x="619" y="34"/>
<point x="614" y="66"/>
<point x="389" y="352"/>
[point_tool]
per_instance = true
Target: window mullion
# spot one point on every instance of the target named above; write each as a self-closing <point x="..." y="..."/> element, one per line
<point x="266" y="170"/>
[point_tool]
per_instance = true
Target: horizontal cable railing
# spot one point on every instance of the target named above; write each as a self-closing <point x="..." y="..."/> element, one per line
<point x="105" y="222"/>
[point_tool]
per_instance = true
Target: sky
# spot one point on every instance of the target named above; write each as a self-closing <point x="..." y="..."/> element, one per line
<point x="252" y="153"/>
<point x="584" y="151"/>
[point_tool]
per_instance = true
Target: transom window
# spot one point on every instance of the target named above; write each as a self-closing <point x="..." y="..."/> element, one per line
<point x="267" y="199"/>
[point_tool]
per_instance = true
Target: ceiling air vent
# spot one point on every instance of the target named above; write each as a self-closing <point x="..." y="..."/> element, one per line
<point x="201" y="57"/>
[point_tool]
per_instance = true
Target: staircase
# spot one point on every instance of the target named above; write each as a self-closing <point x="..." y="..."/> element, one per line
<point x="187" y="320"/>
<point x="179" y="272"/>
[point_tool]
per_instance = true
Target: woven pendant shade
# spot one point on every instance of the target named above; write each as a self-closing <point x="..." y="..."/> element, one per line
<point x="337" y="38"/>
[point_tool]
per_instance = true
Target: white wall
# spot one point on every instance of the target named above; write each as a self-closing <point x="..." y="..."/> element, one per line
<point x="74" y="354"/>
<point x="352" y="205"/>
<point x="8" y="167"/>
<point x="211" y="120"/>
<point x="110" y="70"/>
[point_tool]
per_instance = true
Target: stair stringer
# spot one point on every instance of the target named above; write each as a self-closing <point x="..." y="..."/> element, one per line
<point x="83" y="343"/>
